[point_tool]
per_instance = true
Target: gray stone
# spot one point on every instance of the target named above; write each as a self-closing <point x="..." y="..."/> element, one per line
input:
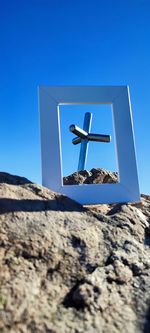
<point x="65" y="268"/>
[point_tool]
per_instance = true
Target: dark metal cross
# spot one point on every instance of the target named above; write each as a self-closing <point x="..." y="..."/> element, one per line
<point x="84" y="136"/>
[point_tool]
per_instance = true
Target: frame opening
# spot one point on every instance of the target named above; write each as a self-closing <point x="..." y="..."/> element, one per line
<point x="101" y="165"/>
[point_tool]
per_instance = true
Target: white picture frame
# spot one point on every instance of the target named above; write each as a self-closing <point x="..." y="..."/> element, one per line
<point x="50" y="100"/>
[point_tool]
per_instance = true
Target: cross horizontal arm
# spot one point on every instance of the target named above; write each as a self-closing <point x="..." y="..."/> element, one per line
<point x="99" y="137"/>
<point x="93" y="137"/>
<point x="78" y="131"/>
<point x="76" y="140"/>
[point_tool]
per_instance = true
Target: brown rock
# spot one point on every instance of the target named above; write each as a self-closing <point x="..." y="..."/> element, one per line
<point x="94" y="176"/>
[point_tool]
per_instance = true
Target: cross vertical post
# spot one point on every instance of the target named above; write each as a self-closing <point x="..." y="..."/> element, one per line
<point x="84" y="142"/>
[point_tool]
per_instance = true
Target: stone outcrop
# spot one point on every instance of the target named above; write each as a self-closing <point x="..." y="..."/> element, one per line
<point x="65" y="268"/>
<point x="94" y="176"/>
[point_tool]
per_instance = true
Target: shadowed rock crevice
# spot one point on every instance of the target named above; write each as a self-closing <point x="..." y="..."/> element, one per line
<point x="82" y="295"/>
<point x="78" y="243"/>
<point x="147" y="236"/>
<point x="71" y="301"/>
<point x="29" y="205"/>
<point x="147" y="321"/>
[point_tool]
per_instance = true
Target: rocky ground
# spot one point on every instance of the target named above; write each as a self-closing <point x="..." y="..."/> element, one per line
<point x="65" y="268"/>
<point x="94" y="176"/>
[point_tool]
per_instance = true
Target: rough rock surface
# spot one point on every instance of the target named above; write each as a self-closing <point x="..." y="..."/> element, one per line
<point x="94" y="176"/>
<point x="65" y="268"/>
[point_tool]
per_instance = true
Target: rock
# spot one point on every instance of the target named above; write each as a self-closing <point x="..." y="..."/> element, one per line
<point x="65" y="268"/>
<point x="94" y="176"/>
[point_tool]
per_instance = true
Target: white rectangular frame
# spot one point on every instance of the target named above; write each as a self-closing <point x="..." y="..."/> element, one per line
<point x="50" y="98"/>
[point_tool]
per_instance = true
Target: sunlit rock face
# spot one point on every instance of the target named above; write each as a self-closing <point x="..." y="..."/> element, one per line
<point x="65" y="268"/>
<point x="94" y="176"/>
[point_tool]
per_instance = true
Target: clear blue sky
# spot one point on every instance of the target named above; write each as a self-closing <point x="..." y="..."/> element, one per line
<point x="68" y="42"/>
